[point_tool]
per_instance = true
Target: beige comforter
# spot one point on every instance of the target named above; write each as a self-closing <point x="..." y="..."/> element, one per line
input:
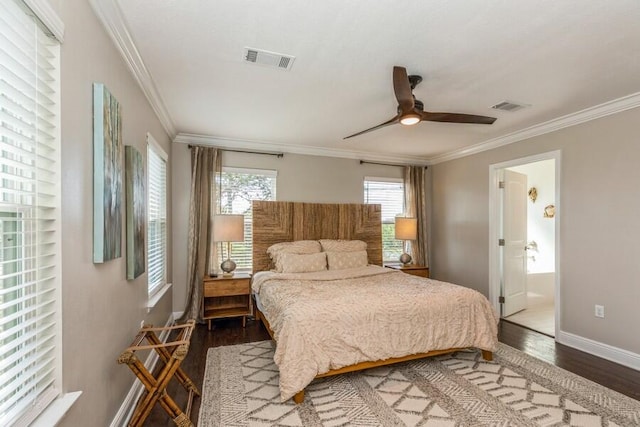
<point x="331" y="319"/>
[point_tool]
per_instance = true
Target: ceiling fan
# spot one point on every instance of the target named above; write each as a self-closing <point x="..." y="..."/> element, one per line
<point x="411" y="111"/>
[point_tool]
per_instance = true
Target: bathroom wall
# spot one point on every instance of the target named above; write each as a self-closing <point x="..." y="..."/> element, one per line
<point x="540" y="175"/>
<point x="541" y="262"/>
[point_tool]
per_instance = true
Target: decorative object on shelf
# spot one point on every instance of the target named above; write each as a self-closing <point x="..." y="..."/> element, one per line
<point x="550" y="211"/>
<point x="406" y="229"/>
<point x="533" y="194"/>
<point x="228" y="228"/>
<point x="136" y="200"/>
<point x="107" y="175"/>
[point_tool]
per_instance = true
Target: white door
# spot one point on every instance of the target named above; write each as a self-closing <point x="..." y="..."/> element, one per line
<point x="514" y="261"/>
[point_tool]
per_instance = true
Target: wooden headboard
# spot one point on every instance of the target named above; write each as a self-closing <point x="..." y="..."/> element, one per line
<point x="275" y="222"/>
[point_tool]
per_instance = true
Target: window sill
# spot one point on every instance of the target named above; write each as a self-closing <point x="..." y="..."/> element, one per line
<point x="56" y="411"/>
<point x="155" y="298"/>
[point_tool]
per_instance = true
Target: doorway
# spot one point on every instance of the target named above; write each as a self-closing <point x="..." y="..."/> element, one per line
<point x="524" y="274"/>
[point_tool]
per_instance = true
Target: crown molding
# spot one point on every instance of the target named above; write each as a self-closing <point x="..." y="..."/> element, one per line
<point x="236" y="144"/>
<point x="608" y="108"/>
<point x="49" y="18"/>
<point x="110" y="14"/>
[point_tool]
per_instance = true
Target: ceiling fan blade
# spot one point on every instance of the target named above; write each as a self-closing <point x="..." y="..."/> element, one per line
<point x="457" y="118"/>
<point x="402" y="89"/>
<point x="387" y="123"/>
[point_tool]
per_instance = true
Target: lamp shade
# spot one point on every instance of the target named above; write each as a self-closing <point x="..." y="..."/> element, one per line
<point x="228" y="228"/>
<point x="406" y="228"/>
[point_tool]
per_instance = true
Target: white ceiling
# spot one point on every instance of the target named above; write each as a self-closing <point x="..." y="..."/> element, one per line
<point x="560" y="56"/>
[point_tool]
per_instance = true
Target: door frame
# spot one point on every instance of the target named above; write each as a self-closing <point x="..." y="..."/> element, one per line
<point x="495" y="227"/>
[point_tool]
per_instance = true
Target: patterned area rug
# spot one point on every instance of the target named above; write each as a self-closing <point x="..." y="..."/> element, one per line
<point x="461" y="389"/>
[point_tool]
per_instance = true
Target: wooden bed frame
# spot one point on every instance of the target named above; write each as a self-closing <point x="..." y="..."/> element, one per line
<point x="275" y="222"/>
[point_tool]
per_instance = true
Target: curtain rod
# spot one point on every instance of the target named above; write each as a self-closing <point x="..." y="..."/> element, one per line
<point x="362" y="162"/>
<point x="264" y="153"/>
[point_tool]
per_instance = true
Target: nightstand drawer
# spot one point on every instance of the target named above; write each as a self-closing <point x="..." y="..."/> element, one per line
<point x="228" y="287"/>
<point x="422" y="272"/>
<point x="414" y="270"/>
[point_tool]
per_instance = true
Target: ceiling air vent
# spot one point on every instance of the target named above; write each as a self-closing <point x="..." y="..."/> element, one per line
<point x="509" y="106"/>
<point x="268" y="59"/>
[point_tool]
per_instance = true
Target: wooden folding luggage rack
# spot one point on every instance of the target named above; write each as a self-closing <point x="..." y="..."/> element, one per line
<point x="171" y="353"/>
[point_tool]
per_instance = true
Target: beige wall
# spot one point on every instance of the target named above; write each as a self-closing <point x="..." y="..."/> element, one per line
<point x="598" y="223"/>
<point x="300" y="178"/>
<point x="101" y="309"/>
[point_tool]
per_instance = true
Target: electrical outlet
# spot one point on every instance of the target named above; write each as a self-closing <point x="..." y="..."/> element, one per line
<point x="599" y="310"/>
<point x="142" y="323"/>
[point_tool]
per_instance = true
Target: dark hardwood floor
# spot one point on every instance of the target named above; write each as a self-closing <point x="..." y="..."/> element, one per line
<point x="609" y="374"/>
<point x="230" y="331"/>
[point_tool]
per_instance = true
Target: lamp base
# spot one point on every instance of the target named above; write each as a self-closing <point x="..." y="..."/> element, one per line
<point x="227" y="267"/>
<point x="405" y="258"/>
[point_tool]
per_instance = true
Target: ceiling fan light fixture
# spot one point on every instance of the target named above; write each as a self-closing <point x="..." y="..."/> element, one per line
<point x="410" y="119"/>
<point x="411" y="111"/>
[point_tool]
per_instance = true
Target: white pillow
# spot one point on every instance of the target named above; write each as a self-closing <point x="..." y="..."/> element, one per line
<point x="297" y="247"/>
<point x="301" y="263"/>
<point x="342" y="260"/>
<point x="343" y="245"/>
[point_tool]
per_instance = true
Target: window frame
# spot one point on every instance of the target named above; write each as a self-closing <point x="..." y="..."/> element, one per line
<point x="153" y="290"/>
<point x="44" y="229"/>
<point x="383" y="221"/>
<point x="271" y="173"/>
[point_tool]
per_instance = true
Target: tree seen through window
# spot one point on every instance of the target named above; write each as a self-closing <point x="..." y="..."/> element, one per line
<point x="237" y="189"/>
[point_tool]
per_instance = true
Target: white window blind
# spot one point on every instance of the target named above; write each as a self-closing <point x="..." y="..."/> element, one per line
<point x="237" y="188"/>
<point x="389" y="193"/>
<point x="29" y="217"/>
<point x="157" y="216"/>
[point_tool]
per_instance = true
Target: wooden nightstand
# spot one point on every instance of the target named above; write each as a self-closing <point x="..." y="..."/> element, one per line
<point x="415" y="270"/>
<point x="227" y="297"/>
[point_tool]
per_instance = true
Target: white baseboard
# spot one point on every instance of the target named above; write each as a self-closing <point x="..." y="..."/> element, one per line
<point x="125" y="412"/>
<point x="177" y="314"/>
<point x="605" y="351"/>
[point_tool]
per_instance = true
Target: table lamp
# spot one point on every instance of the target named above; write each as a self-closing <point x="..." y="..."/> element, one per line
<point x="406" y="229"/>
<point x="228" y="228"/>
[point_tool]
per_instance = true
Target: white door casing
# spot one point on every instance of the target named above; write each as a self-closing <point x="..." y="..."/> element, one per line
<point x="514" y="262"/>
<point x="495" y="229"/>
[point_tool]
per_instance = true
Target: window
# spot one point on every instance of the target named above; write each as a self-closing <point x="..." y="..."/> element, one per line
<point x="389" y="193"/>
<point x="236" y="190"/>
<point x="156" y="216"/>
<point x="30" y="341"/>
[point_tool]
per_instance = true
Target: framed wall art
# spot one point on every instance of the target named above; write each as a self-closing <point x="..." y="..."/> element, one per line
<point x="107" y="175"/>
<point x="135" y="198"/>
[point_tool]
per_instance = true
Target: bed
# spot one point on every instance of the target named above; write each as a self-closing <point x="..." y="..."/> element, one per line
<point x="359" y="316"/>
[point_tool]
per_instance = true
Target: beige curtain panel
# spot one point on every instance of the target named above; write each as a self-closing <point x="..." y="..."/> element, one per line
<point x="415" y="198"/>
<point x="206" y="162"/>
